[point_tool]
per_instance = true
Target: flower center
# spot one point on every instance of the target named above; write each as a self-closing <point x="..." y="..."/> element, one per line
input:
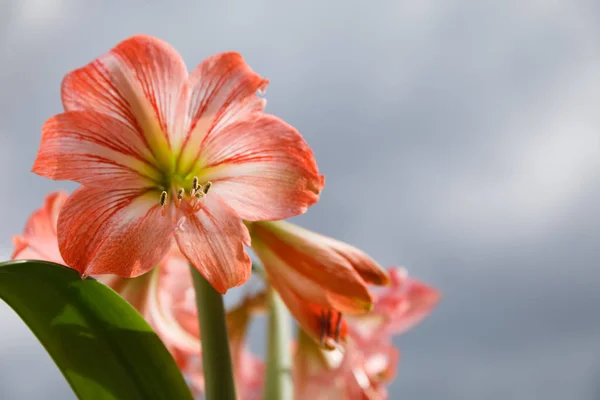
<point x="190" y="199"/>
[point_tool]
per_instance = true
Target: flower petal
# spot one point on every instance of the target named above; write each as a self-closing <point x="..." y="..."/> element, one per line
<point x="119" y="232"/>
<point x="213" y="240"/>
<point x="262" y="167"/>
<point x="94" y="150"/>
<point x="366" y="267"/>
<point x="141" y="81"/>
<point x="222" y="88"/>
<point x="397" y="308"/>
<point x="312" y="270"/>
<point x="39" y="237"/>
<point x="418" y="302"/>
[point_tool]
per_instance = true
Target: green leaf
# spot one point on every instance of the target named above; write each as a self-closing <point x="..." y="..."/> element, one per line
<point x="102" y="345"/>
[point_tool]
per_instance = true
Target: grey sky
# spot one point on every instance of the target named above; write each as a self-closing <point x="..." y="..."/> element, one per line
<point x="459" y="139"/>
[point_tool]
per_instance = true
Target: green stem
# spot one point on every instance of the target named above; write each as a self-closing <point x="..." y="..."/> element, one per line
<point x="279" y="385"/>
<point x="216" y="358"/>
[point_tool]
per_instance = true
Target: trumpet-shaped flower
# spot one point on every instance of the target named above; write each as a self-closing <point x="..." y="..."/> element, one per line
<point x="167" y="156"/>
<point x="318" y="278"/>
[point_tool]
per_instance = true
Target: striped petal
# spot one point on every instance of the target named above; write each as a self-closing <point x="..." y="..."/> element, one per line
<point x="119" y="232"/>
<point x="222" y="89"/>
<point x="141" y="82"/>
<point x="262" y="167"/>
<point x="213" y="240"/>
<point x="95" y="150"/>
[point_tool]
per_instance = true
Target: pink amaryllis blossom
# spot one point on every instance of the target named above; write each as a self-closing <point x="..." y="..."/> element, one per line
<point x="368" y="362"/>
<point x="167" y="156"/>
<point x="317" y="277"/>
<point x="164" y="297"/>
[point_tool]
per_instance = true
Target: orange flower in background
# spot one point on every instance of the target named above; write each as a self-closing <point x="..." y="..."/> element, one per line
<point x="368" y="362"/>
<point x="318" y="278"/>
<point x="165" y="156"/>
<point x="165" y="297"/>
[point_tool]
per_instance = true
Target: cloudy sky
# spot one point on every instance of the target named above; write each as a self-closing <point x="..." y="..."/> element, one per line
<point x="460" y="139"/>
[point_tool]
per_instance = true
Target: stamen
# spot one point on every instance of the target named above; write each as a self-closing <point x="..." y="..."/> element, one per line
<point x="206" y="187"/>
<point x="180" y="194"/>
<point x="200" y="194"/>
<point x="163" y="201"/>
<point x="195" y="184"/>
<point x="323" y="328"/>
<point x="329" y="317"/>
<point x="338" y="327"/>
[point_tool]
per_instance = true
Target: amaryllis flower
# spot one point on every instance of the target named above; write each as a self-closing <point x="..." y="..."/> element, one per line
<point x="164" y="297"/>
<point x="318" y="278"/>
<point x="164" y="156"/>
<point x="368" y="361"/>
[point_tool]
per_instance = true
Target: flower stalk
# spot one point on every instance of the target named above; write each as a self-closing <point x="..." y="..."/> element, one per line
<point x="279" y="384"/>
<point x="216" y="357"/>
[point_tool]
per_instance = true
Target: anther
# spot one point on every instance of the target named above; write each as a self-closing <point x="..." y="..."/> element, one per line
<point x="195" y="184"/>
<point x="180" y="193"/>
<point x="163" y="198"/>
<point x="200" y="194"/>
<point x="323" y="328"/>
<point x="329" y="317"/>
<point x="338" y="327"/>
<point x="206" y="187"/>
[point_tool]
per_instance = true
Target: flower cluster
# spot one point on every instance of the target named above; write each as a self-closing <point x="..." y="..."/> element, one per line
<point x="181" y="169"/>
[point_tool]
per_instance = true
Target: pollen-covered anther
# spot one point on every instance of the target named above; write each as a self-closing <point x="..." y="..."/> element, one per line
<point x="163" y="202"/>
<point x="163" y="198"/>
<point x="206" y="187"/>
<point x="324" y="323"/>
<point x="338" y="327"/>
<point x="180" y="194"/>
